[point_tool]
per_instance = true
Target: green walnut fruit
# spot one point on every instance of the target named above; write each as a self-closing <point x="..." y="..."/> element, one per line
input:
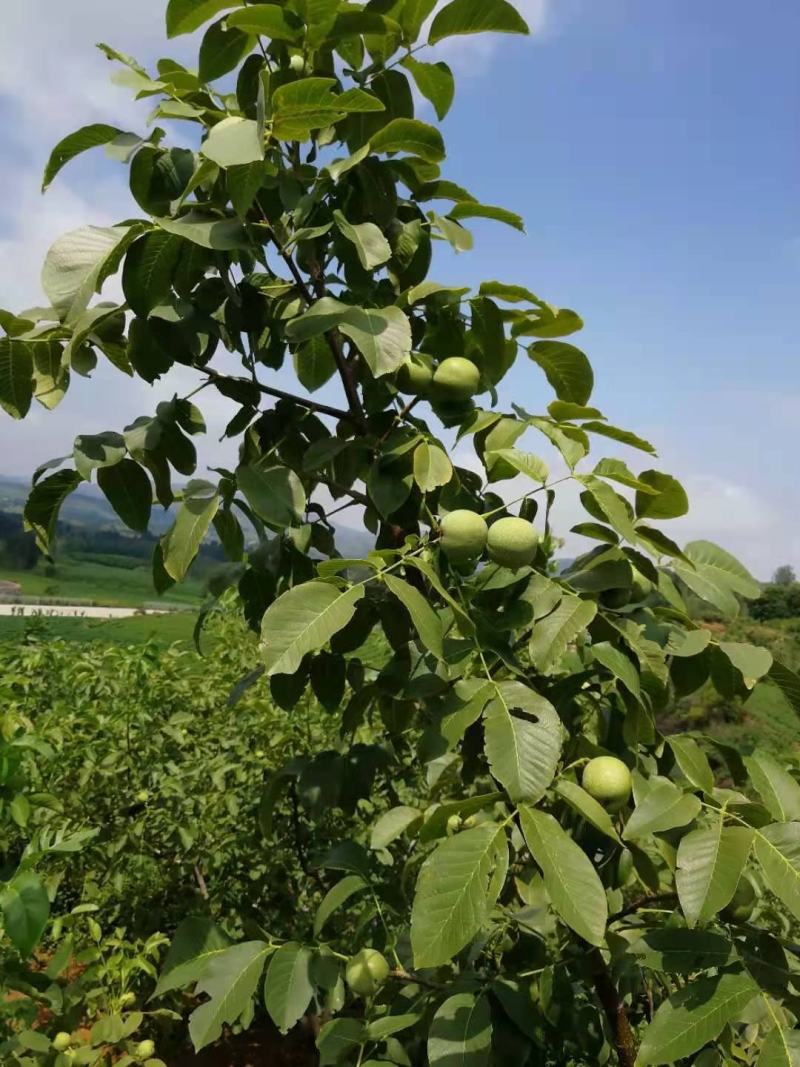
<point x="142" y="796"/>
<point x="456" y="378"/>
<point x="110" y="328"/>
<point x="452" y="412"/>
<point x="126" y="999"/>
<point x="464" y="535"/>
<point x="62" y="1041"/>
<point x="615" y="598"/>
<point x="415" y="377"/>
<point x="145" y="1050"/>
<point x="366" y="972"/>
<point x="512" y="542"/>
<point x="624" y="866"/>
<point x="298" y="64"/>
<point x="642" y="588"/>
<point x="741" y="906"/>
<point x="608" y="780"/>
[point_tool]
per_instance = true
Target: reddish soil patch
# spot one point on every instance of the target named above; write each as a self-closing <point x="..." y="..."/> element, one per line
<point x="260" y="1046"/>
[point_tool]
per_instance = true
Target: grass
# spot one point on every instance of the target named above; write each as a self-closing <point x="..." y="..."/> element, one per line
<point x="81" y="579"/>
<point x="137" y="630"/>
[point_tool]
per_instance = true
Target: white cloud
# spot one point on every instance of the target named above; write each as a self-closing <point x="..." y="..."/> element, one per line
<point x="52" y="73"/>
<point x="470" y="56"/>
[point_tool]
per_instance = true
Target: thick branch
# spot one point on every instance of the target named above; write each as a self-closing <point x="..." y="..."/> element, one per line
<point x="333" y="337"/>
<point x="311" y="405"/>
<point x="614" y="1009"/>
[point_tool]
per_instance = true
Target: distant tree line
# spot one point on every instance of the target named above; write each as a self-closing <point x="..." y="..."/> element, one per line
<point x="18" y="549"/>
<point x="780" y="598"/>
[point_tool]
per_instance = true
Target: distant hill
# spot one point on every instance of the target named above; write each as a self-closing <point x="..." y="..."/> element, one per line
<point x="85" y="507"/>
<point x="88" y="508"/>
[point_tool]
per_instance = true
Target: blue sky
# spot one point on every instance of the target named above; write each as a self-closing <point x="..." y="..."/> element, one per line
<point x="651" y="148"/>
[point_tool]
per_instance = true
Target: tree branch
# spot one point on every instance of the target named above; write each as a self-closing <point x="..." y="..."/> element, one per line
<point x="641" y="902"/>
<point x="614" y="1008"/>
<point x="311" y="405"/>
<point x="333" y="337"/>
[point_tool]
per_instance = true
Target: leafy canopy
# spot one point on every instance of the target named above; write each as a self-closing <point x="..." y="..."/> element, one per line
<point x="520" y="917"/>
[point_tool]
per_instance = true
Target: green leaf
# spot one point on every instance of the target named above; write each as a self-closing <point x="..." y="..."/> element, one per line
<point x="553" y="634"/>
<point x="625" y="437"/>
<point x="314" y="365"/>
<point x="572" y="883"/>
<point x="694" y="1016"/>
<point x="788" y="681"/>
<point x="435" y="82"/>
<point x="222" y="49"/>
<point x="44" y="503"/>
<point x="663" y="807"/>
<point x="181" y="543"/>
<point x="336" y="896"/>
<point x="618" y="471"/>
<point x="476" y="16"/>
<point x="196" y="943"/>
<point x="230" y="981"/>
<point x="266" y="20"/>
<point x="50" y="369"/>
<point x="452" y="900"/>
<point x="16" y="377"/>
<point x="432" y="468"/>
<point x="233" y="142"/>
<point x="778" y="851"/>
<point x="512" y="294"/>
<point x="717" y="567"/>
<point x="80" y="141"/>
<point x="669" y="501"/>
<point x="392" y="824"/>
<point x="338" y="1039"/>
<point x="523" y="754"/>
<point x="208" y="231"/>
<point x="469" y="209"/>
<point x="185" y="16"/>
<point x="524" y="462"/>
<point x="751" y="661"/>
<point x="611" y="505"/>
<point x="288" y="988"/>
<point x="692" y="760"/>
<point x="148" y="270"/>
<point x="92" y="451"/>
<point x="623" y="669"/>
<point x="320" y="16"/>
<point x="298" y="107"/>
<point x="78" y="263"/>
<point x="568" y="370"/>
<point x="426" y="622"/>
<point x="303" y="620"/>
<point x="461" y="1032"/>
<point x="781" y="1048"/>
<point x="673" y="950"/>
<point x="26" y="908"/>
<point x="410" y="135"/>
<point x="127" y="489"/>
<point x="776" y="787"/>
<point x="371" y="246"/>
<point x="382" y="335"/>
<point x="587" y="807"/>
<point x="710" y="862"/>
<point x="276" y="494"/>
<point x="548" y="322"/>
